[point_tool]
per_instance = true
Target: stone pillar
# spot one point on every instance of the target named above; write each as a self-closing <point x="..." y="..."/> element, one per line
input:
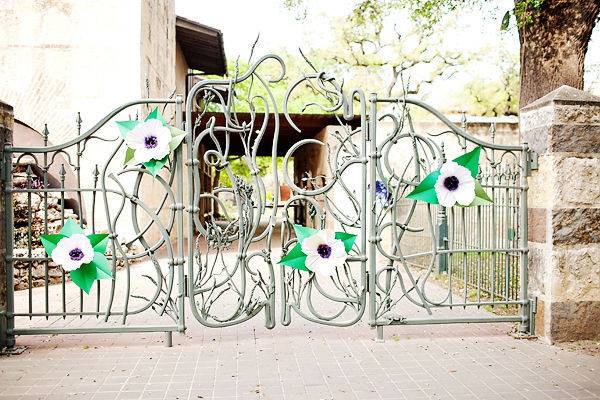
<point x="563" y="128"/>
<point x="6" y="129"/>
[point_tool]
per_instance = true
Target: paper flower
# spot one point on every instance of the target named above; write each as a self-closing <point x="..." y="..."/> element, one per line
<point x="150" y="142"/>
<point x="319" y="251"/>
<point x="453" y="183"/>
<point x="382" y="193"/>
<point x="80" y="255"/>
<point x="324" y="252"/>
<point x="71" y="252"/>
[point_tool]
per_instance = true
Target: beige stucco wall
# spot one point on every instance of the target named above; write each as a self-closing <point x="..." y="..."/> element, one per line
<point x="59" y="57"/>
<point x="181" y="70"/>
<point x="157" y="51"/>
<point x="55" y="62"/>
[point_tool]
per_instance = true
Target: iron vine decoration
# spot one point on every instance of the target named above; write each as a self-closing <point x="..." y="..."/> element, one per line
<point x="369" y="196"/>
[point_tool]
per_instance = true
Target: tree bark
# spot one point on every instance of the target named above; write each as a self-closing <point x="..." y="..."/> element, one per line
<point x="553" y="46"/>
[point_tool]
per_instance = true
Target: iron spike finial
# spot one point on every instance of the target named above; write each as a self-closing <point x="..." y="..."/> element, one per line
<point x="45" y="134"/>
<point x="79" y="121"/>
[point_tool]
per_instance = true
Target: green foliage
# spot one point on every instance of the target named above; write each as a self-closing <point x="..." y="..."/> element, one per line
<point x="526" y="10"/>
<point x="493" y="94"/>
<point x="239" y="167"/>
<point x="369" y="49"/>
<point x="428" y="13"/>
<point x="251" y="94"/>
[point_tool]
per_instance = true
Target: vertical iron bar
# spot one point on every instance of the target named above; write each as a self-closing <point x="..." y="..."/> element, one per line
<point x="372" y="137"/>
<point x="29" y="174"/>
<point x="62" y="174"/>
<point x="95" y="174"/>
<point x="45" y="135"/>
<point x="451" y="255"/>
<point x="9" y="246"/>
<point x="525" y="323"/>
<point x="507" y="228"/>
<point x="79" y="197"/>
<point x="494" y="231"/>
<point x="463" y="220"/>
<point x="180" y="224"/>
<point x="480" y="245"/>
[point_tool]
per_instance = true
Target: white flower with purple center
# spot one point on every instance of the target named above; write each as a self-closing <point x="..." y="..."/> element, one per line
<point x="73" y="251"/>
<point x="324" y="252"/>
<point x="150" y="140"/>
<point x="454" y="185"/>
<point x="382" y="193"/>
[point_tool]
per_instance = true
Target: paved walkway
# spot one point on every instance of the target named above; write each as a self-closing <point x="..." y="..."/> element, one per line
<point x="302" y="361"/>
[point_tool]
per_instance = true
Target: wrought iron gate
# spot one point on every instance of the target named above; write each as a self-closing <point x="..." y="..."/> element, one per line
<point x="214" y="250"/>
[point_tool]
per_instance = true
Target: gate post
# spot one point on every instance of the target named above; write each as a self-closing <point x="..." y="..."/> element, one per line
<point x="563" y="129"/>
<point x="6" y="279"/>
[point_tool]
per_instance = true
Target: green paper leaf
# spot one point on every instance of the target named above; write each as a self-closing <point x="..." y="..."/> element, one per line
<point x="425" y="191"/>
<point x="303" y="232"/>
<point x="87" y="274"/>
<point x="155" y="114"/>
<point x="126" y="126"/>
<point x="295" y="258"/>
<point x="103" y="270"/>
<point x="99" y="241"/>
<point x="70" y="228"/>
<point x="84" y="276"/>
<point x="481" y="197"/>
<point x="470" y="161"/>
<point x="50" y="241"/>
<point x="347" y="238"/>
<point x="129" y="155"/>
<point x="178" y="136"/>
<point x="156" y="165"/>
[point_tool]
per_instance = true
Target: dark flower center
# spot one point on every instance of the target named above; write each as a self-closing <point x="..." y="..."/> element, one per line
<point x="451" y="183"/>
<point x="150" y="142"/>
<point x="324" y="250"/>
<point x="76" y="254"/>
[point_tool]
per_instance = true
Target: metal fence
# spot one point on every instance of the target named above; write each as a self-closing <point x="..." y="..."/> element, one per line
<point x="222" y="266"/>
<point x="488" y="274"/>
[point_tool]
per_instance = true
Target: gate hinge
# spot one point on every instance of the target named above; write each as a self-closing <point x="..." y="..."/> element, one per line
<point x="185" y="286"/>
<point x="532" y="161"/>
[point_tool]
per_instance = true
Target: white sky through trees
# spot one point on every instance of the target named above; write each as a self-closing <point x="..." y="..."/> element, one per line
<point x="242" y="20"/>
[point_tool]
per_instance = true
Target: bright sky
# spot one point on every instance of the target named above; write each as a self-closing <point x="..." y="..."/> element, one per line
<point x="242" y="20"/>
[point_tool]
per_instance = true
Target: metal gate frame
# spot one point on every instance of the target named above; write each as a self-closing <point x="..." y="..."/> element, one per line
<point x="188" y="268"/>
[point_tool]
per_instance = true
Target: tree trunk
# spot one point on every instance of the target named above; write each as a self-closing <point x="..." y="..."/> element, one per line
<point x="553" y="46"/>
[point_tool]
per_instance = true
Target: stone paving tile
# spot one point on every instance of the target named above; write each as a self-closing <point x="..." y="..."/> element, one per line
<point x="300" y="361"/>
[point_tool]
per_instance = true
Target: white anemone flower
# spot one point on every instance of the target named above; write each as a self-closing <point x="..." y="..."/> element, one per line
<point x="324" y="252"/>
<point x="150" y="140"/>
<point x="454" y="185"/>
<point x="73" y="251"/>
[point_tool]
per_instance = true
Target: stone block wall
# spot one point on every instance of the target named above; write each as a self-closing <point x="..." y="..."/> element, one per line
<point x="26" y="206"/>
<point x="563" y="129"/>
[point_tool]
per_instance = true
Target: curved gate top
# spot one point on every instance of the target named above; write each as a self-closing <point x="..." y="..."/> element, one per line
<point x="205" y="229"/>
